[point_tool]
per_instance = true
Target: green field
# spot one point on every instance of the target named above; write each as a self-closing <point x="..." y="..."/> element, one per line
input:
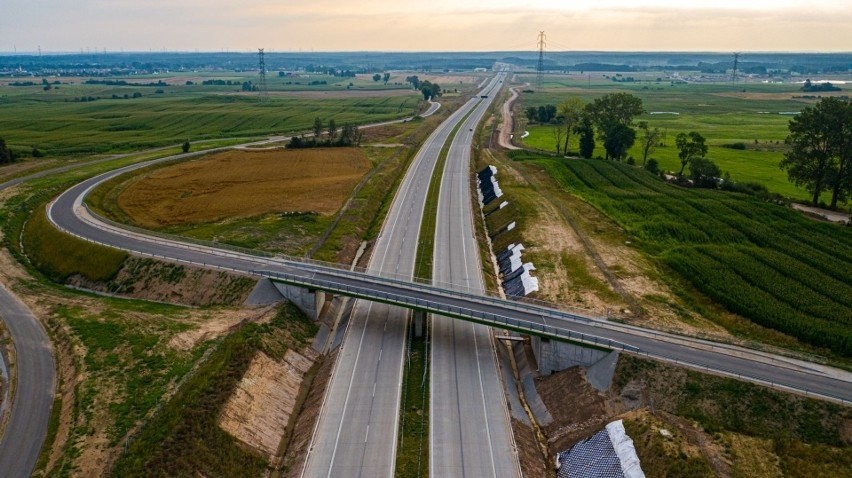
<point x="56" y="124"/>
<point x="719" y="113"/>
<point x="762" y="261"/>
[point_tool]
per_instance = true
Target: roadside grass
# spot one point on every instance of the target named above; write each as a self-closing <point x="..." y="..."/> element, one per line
<point x="660" y="456"/>
<point x="362" y="220"/>
<point x="715" y="111"/>
<point x="807" y="435"/>
<point x="60" y="255"/>
<point x="184" y="437"/>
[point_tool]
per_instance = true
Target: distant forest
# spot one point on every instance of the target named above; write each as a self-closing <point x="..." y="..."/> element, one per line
<point x="105" y="63"/>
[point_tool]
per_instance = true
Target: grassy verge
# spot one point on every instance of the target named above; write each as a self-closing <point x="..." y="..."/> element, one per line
<point x="60" y="255"/>
<point x="184" y="437"/>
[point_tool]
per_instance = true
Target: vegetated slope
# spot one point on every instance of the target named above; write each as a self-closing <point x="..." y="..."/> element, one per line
<point x="759" y="260"/>
<point x="60" y="256"/>
<point x="184" y="438"/>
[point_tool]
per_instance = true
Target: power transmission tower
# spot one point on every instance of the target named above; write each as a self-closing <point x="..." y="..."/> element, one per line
<point x="261" y="65"/>
<point x="736" y="65"/>
<point x="540" y="77"/>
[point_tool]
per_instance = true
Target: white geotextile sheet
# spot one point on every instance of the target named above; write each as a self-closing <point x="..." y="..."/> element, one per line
<point x="624" y="449"/>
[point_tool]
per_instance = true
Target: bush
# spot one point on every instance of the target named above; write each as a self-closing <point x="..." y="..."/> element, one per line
<point x="653" y="166"/>
<point x="740" y="146"/>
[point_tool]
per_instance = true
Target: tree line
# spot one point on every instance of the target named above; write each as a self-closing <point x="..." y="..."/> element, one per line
<point x="610" y="119"/>
<point x="820" y="158"/>
<point x="328" y="136"/>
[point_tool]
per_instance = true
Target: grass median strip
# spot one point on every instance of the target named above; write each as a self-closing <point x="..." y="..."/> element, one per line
<point x="412" y="457"/>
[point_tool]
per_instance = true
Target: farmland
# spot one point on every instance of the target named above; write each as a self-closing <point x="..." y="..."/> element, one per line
<point x="58" y="124"/>
<point x="759" y="260"/>
<point x="722" y="115"/>
<point x="239" y="184"/>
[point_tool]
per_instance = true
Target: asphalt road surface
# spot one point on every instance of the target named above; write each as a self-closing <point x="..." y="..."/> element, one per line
<point x="357" y="430"/>
<point x="27" y="427"/>
<point x="470" y="434"/>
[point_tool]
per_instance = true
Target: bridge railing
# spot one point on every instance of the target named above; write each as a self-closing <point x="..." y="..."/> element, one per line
<point x="442" y="308"/>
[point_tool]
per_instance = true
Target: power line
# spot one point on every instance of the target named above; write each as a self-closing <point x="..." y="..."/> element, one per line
<point x="540" y="77"/>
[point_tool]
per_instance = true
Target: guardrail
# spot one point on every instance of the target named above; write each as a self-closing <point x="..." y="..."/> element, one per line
<point x="431" y="306"/>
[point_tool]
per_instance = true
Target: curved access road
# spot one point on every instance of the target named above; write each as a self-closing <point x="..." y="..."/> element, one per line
<point x="21" y="443"/>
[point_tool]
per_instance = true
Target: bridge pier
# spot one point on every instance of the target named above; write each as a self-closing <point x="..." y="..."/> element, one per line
<point x="419" y="322"/>
<point x="309" y="301"/>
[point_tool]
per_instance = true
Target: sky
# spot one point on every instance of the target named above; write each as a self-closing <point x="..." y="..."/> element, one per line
<point x="435" y="25"/>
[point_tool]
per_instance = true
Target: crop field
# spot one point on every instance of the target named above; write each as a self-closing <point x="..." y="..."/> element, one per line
<point x="58" y="124"/>
<point x="759" y="260"/>
<point x="717" y="111"/>
<point x="238" y="184"/>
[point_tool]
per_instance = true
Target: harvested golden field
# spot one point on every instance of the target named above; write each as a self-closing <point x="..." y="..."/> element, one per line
<point x="238" y="184"/>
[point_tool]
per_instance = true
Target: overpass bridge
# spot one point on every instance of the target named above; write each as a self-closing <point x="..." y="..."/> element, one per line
<point x="491" y="311"/>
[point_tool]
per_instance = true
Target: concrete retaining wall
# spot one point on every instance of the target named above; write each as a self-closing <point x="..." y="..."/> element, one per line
<point x="553" y="356"/>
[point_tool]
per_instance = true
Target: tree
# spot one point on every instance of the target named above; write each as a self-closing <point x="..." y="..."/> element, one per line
<point x="618" y="140"/>
<point x="377" y="77"/>
<point x="652" y="166"/>
<point x="818" y="158"/>
<point x="185" y="146"/>
<point x="558" y="133"/>
<point x="5" y="155"/>
<point x="613" y="115"/>
<point x="429" y="90"/>
<point x="839" y="118"/>
<point x="386" y="78"/>
<point x="704" y="173"/>
<point x="571" y="112"/>
<point x="532" y="114"/>
<point x="649" y="140"/>
<point x="546" y="113"/>
<point x="318" y="125"/>
<point x="690" y="146"/>
<point x="332" y="131"/>
<point x="618" y="108"/>
<point x="414" y="81"/>
<point x="587" y="137"/>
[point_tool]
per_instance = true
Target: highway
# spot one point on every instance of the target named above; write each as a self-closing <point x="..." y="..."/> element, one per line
<point x="469" y="431"/>
<point x="21" y="443"/>
<point x="357" y="430"/>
